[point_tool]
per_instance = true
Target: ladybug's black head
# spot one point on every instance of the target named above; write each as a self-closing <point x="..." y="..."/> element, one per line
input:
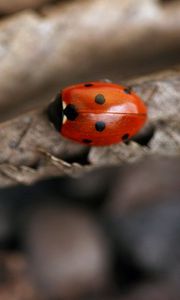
<point x="55" y="112"/>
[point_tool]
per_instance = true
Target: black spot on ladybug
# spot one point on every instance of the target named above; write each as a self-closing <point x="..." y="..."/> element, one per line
<point x="99" y="99"/>
<point x="100" y="126"/>
<point x="128" y="90"/>
<point x="88" y="84"/>
<point x="125" y="137"/>
<point x="70" y="112"/>
<point x="55" y="112"/>
<point x="87" y="141"/>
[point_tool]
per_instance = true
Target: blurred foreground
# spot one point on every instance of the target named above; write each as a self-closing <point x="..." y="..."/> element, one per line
<point x="110" y="234"/>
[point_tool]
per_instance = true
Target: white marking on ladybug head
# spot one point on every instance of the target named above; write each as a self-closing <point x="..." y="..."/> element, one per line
<point x="64" y="105"/>
<point x="64" y="117"/>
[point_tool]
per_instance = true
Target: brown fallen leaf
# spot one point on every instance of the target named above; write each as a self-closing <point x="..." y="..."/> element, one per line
<point x="30" y="137"/>
<point x="82" y="40"/>
<point x="51" y="167"/>
<point x="32" y="149"/>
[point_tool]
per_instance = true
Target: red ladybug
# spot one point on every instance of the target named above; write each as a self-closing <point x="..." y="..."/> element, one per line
<point x="97" y="113"/>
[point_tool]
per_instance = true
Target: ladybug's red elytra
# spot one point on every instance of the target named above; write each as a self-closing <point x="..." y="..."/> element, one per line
<point x="97" y="113"/>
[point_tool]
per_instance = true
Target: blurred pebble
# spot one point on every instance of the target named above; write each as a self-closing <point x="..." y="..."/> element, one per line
<point x="14" y="281"/>
<point x="141" y="184"/>
<point x="136" y="217"/>
<point x="89" y="191"/>
<point x="165" y="290"/>
<point x="147" y="241"/>
<point x="68" y="253"/>
<point x="143" y="220"/>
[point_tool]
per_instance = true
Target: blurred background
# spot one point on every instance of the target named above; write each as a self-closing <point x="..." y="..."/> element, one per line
<point x="96" y="232"/>
<point x="46" y="45"/>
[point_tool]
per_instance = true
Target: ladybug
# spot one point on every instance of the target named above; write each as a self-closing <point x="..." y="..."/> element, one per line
<point x="97" y="113"/>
